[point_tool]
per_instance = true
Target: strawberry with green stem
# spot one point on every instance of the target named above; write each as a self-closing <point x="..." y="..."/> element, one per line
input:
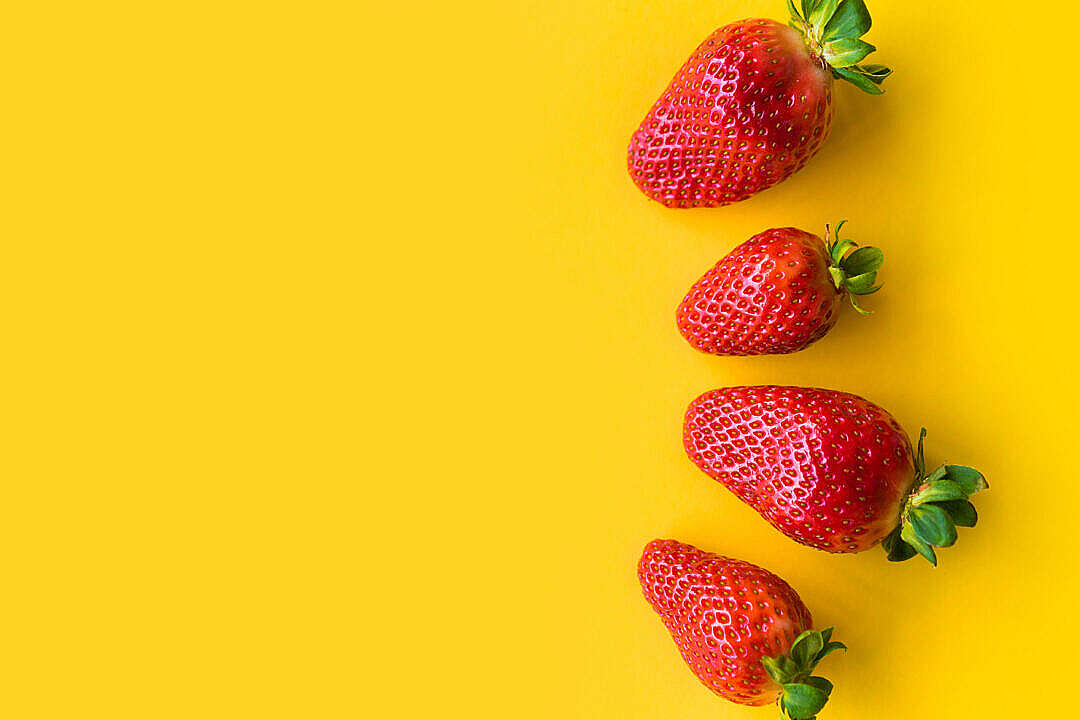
<point x="752" y="105"/>
<point x="778" y="292"/>
<point x="829" y="469"/>
<point x="744" y="632"/>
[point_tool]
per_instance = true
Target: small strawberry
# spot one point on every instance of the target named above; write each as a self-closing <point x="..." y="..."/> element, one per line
<point x="778" y="292"/>
<point x="751" y="106"/>
<point x="742" y="630"/>
<point x="829" y="470"/>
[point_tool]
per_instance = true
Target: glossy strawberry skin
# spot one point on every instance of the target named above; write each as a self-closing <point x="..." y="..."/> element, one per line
<point x="749" y="108"/>
<point x="826" y="468"/>
<point x="724" y="615"/>
<point x="773" y="294"/>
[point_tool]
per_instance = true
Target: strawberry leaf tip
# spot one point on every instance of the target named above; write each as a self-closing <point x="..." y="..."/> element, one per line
<point x="853" y="269"/>
<point x="832" y="30"/>
<point x="938" y="505"/>
<point x="803" y="695"/>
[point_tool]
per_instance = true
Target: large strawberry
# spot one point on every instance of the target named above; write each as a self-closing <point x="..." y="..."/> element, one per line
<point x="778" y="292"/>
<point x="751" y="106"/>
<point x="829" y="469"/>
<point x="744" y="632"/>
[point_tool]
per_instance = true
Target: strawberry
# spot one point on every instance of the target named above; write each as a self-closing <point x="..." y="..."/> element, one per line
<point x="742" y="630"/>
<point x="829" y="469"/>
<point x="751" y="106"/>
<point x="778" y="292"/>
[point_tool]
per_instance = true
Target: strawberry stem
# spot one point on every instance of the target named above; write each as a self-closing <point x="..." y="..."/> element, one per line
<point x="853" y="269"/>
<point x="934" y="509"/>
<point x="802" y="694"/>
<point x="832" y="30"/>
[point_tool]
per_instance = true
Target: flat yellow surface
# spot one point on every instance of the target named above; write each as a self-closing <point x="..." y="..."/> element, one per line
<point x="343" y="379"/>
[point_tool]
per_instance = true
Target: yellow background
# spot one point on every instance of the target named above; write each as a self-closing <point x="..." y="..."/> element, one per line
<point x="343" y="380"/>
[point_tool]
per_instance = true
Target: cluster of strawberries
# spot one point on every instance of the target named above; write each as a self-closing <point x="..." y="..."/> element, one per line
<point x="826" y="468"/>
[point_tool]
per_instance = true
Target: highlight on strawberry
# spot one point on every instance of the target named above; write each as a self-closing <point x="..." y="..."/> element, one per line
<point x="778" y="292"/>
<point x="744" y="632"/>
<point x="829" y="469"/>
<point x="752" y="105"/>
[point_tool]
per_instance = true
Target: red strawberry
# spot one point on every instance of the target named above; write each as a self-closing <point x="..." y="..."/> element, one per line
<point x="829" y="469"/>
<point x="742" y="630"/>
<point x="778" y="292"/>
<point x="751" y="106"/>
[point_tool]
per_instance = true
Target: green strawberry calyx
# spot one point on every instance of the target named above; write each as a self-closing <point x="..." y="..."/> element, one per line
<point x="802" y="694"/>
<point x="932" y="512"/>
<point x="853" y="269"/>
<point x="832" y="30"/>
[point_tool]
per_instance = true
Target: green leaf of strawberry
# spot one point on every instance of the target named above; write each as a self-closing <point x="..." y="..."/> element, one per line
<point x="775" y="668"/>
<point x="803" y="701"/>
<point x="962" y="512"/>
<point x="875" y="73"/>
<point x="938" y="490"/>
<point x="860" y="80"/>
<point x="933" y="525"/>
<point x="822" y="11"/>
<point x="896" y="549"/>
<point x="851" y="20"/>
<point x="863" y="260"/>
<point x="806" y="647"/>
<point x="847" y="51"/>
<point x="821" y="684"/>
<point x="829" y="649"/>
<point x="969" y="479"/>
<point x="911" y="538"/>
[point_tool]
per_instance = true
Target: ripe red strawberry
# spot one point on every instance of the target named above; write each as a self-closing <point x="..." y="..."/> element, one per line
<point x="829" y="469"/>
<point x="751" y="106"/>
<point x="742" y="630"/>
<point x="778" y="292"/>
